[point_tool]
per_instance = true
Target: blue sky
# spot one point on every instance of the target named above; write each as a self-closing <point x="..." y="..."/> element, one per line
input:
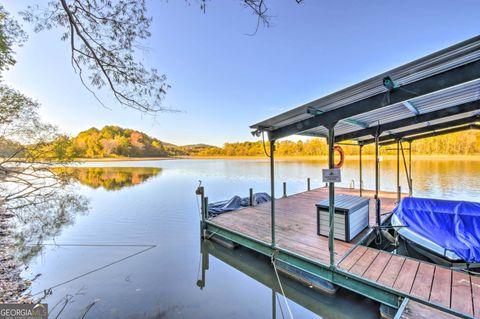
<point x="224" y="80"/>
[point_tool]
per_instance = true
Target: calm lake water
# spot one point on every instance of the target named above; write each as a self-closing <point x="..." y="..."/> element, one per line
<point x="136" y="251"/>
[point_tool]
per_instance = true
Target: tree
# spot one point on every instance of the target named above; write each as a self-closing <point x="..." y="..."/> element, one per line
<point x="102" y="35"/>
<point x="10" y="34"/>
<point x="24" y="167"/>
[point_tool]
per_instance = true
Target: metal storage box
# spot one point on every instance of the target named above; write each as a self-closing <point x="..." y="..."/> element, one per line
<point x="351" y="216"/>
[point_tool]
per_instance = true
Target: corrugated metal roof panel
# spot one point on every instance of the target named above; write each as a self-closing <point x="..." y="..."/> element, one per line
<point x="424" y="124"/>
<point x="447" y="59"/>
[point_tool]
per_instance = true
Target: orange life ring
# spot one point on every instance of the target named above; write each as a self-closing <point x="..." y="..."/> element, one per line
<point x="342" y="156"/>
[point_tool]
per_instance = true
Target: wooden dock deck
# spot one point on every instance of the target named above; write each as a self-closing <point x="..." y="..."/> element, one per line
<point x="296" y="222"/>
<point x="296" y="232"/>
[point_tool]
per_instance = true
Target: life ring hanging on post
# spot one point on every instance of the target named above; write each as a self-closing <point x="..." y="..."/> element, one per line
<point x="342" y="156"/>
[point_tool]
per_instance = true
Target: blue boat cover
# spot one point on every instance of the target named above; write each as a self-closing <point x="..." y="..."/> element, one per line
<point x="454" y="225"/>
<point x="235" y="203"/>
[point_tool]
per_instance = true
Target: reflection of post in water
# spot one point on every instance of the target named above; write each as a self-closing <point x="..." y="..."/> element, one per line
<point x="274" y="304"/>
<point x="344" y="304"/>
<point x="205" y="264"/>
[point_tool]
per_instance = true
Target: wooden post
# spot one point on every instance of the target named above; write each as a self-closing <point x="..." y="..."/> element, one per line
<point x="308" y="184"/>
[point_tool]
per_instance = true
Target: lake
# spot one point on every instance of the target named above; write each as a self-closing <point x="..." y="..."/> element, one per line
<point x="132" y="248"/>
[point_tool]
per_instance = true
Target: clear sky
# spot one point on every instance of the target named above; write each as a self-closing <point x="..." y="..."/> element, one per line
<point x="224" y="80"/>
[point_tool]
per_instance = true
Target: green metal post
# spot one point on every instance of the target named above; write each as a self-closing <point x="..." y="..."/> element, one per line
<point x="272" y="189"/>
<point x="284" y="189"/>
<point x="407" y="170"/>
<point x="410" y="189"/>
<point x="205" y="203"/>
<point x="201" y="191"/>
<point x="361" y="171"/>
<point x="398" y="171"/>
<point x="274" y="304"/>
<point x="377" y="181"/>
<point x="205" y="265"/>
<point x="205" y="217"/>
<point x="331" y="197"/>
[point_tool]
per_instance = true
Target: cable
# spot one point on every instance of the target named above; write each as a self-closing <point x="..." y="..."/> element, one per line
<point x="280" y="305"/>
<point x="281" y="287"/>
<point x="96" y="269"/>
<point x="264" y="148"/>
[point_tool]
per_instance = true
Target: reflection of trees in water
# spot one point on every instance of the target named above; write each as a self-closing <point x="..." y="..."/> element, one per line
<point x="35" y="224"/>
<point x="56" y="207"/>
<point x="109" y="178"/>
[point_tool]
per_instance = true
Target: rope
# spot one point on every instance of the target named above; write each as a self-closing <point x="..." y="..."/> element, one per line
<point x="212" y="234"/>
<point x="280" y="305"/>
<point x="45" y="291"/>
<point x="264" y="148"/>
<point x="281" y="287"/>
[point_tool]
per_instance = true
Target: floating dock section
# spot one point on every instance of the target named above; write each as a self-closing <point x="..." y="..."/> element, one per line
<point x="390" y="279"/>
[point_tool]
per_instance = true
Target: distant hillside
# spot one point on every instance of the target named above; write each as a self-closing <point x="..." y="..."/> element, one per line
<point x="114" y="141"/>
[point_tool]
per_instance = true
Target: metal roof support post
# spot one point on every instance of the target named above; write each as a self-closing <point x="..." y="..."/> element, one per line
<point x="410" y="185"/>
<point x="272" y="189"/>
<point x="398" y="171"/>
<point x="361" y="172"/>
<point x="377" y="180"/>
<point x="331" y="196"/>
<point x="407" y="170"/>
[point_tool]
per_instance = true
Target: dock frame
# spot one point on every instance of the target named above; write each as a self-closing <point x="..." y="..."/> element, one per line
<point x="431" y="96"/>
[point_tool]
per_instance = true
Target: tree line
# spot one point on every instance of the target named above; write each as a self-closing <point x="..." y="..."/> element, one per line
<point x="116" y="142"/>
<point x="462" y="143"/>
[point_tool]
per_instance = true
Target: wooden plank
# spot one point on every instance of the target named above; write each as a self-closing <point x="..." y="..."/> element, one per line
<point x="416" y="310"/>
<point x="378" y="265"/>
<point x="441" y="286"/>
<point x="476" y="295"/>
<point x="390" y="273"/>
<point x="423" y="281"/>
<point x="296" y="223"/>
<point x="462" y="293"/>
<point x="352" y="258"/>
<point x="405" y="278"/>
<point x="366" y="260"/>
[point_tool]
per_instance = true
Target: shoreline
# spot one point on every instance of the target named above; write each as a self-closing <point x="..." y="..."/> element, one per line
<point x="12" y="285"/>
<point x="473" y="157"/>
<point x="122" y="159"/>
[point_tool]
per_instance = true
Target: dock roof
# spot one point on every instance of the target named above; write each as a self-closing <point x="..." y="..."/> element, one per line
<point x="439" y="91"/>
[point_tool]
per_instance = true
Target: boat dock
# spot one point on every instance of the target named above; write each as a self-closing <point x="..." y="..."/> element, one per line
<point x="391" y="279"/>
<point x="296" y="222"/>
<point x="435" y="95"/>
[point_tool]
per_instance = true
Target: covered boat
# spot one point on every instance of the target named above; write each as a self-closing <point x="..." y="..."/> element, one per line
<point x="445" y="231"/>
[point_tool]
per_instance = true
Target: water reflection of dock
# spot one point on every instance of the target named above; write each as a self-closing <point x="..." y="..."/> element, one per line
<point x="344" y="305"/>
